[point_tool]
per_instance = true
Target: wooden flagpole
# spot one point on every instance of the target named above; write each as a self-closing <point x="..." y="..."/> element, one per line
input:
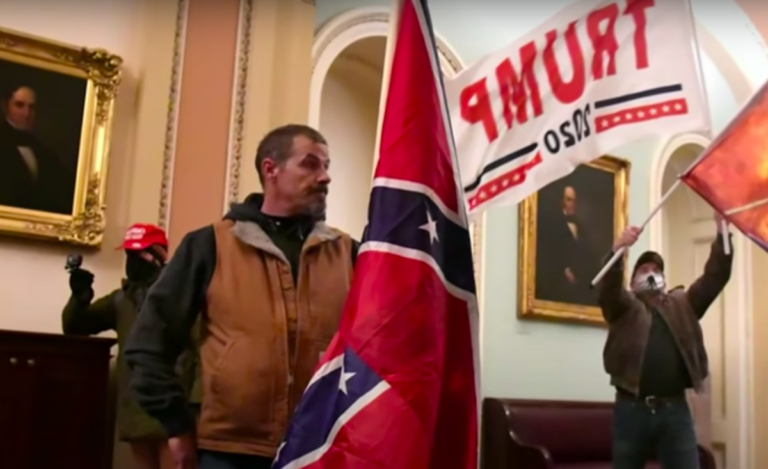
<point x="620" y="252"/>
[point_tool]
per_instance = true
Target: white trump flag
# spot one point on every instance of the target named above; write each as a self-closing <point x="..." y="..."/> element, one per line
<point x="598" y="75"/>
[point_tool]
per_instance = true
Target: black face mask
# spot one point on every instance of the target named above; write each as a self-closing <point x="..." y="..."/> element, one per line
<point x="139" y="270"/>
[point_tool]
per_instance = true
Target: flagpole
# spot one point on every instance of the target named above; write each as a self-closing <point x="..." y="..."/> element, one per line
<point x="648" y="219"/>
<point x="389" y="53"/>
<point x="620" y="252"/>
<point x="726" y="240"/>
<point x="431" y="41"/>
<point x="462" y="206"/>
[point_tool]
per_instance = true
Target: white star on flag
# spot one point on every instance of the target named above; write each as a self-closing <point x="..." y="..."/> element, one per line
<point x="430" y="227"/>
<point x="343" y="380"/>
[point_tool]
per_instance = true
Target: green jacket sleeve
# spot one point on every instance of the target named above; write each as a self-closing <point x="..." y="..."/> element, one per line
<point x="81" y="317"/>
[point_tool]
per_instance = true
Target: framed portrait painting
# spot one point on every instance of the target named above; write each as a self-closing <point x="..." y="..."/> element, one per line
<point x="566" y="229"/>
<point x="57" y="103"/>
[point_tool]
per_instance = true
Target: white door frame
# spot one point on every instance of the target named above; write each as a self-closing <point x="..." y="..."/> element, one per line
<point x="739" y="310"/>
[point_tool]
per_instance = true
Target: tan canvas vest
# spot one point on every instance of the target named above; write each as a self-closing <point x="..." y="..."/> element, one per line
<point x="262" y="336"/>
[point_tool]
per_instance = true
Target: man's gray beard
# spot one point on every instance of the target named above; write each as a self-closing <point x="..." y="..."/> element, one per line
<point x="316" y="211"/>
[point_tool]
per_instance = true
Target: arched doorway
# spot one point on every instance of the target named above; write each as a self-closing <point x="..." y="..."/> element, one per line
<point x="687" y="234"/>
<point x="348" y="59"/>
<point x="349" y="111"/>
<point x="345" y="89"/>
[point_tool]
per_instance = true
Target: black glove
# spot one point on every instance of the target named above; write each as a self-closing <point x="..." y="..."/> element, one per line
<point x="80" y="281"/>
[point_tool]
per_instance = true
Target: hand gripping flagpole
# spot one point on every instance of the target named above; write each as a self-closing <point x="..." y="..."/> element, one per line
<point x="726" y="241"/>
<point x="620" y="252"/>
<point x="648" y="219"/>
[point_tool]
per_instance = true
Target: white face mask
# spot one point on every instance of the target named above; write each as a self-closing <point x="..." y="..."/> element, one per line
<point x="652" y="281"/>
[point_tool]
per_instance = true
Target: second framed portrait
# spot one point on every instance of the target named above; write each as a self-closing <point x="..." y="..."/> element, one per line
<point x="566" y="229"/>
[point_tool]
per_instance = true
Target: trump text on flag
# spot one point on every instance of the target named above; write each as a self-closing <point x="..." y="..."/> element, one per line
<point x="594" y="77"/>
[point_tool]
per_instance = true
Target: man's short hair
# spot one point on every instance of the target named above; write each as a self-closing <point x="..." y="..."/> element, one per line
<point x="277" y="144"/>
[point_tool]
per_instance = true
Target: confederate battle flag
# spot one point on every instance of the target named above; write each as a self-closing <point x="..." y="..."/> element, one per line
<point x="397" y="387"/>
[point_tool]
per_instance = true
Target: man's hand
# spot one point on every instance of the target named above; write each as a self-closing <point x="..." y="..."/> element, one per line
<point x="627" y="238"/>
<point x="80" y="281"/>
<point x="183" y="451"/>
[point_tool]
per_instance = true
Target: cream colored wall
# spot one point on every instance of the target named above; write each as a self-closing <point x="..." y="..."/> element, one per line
<point x="349" y="113"/>
<point x="275" y="71"/>
<point x="33" y="283"/>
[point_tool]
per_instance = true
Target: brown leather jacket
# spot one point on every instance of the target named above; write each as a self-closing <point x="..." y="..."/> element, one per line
<point x="629" y="320"/>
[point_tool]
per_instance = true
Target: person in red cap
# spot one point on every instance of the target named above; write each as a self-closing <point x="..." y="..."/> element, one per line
<point x="146" y="250"/>
<point x="655" y="352"/>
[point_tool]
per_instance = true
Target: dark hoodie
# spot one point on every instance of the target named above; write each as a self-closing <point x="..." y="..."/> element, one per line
<point x="288" y="234"/>
<point x="177" y="299"/>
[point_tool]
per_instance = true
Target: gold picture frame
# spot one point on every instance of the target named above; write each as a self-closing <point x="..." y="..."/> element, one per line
<point x="544" y="302"/>
<point x="64" y="75"/>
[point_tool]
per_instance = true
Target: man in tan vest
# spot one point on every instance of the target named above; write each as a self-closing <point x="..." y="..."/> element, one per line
<point x="270" y="281"/>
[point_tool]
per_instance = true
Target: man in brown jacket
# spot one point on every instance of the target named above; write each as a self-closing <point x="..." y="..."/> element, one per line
<point x="654" y="352"/>
<point x="269" y="281"/>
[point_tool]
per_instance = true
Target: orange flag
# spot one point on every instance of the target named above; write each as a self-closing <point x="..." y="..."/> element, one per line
<point x="732" y="175"/>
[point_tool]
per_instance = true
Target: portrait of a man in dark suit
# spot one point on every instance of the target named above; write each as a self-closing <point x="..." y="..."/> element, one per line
<point x="574" y="230"/>
<point x="41" y="114"/>
<point x="33" y="176"/>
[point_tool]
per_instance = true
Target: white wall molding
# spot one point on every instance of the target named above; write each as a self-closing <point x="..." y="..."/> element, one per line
<point x="348" y="28"/>
<point x="741" y="307"/>
<point x="172" y="119"/>
<point x="239" y="100"/>
<point x="659" y="164"/>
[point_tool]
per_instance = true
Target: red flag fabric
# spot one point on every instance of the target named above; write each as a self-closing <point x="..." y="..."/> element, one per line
<point x="397" y="387"/>
<point x="732" y="175"/>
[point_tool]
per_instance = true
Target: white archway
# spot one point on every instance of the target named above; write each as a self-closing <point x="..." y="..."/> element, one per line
<point x="661" y="160"/>
<point x="738" y="297"/>
<point x="350" y="27"/>
<point x="349" y="115"/>
<point x="345" y="30"/>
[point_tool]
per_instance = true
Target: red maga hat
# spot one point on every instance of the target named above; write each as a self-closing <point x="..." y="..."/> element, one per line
<point x="140" y="236"/>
